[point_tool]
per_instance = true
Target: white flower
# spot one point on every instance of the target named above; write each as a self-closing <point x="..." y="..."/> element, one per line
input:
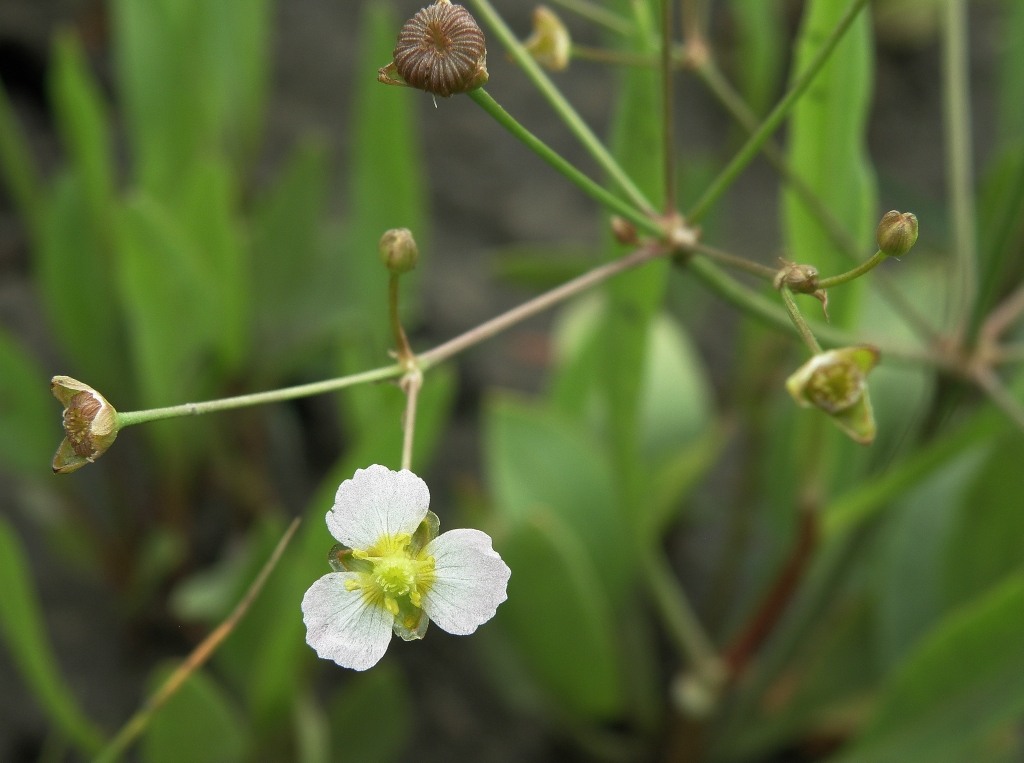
<point x="393" y="571"/>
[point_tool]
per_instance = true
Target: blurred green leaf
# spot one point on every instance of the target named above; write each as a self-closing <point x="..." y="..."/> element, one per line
<point x="538" y="460"/>
<point x="1010" y="71"/>
<point x="18" y="170"/>
<point x="986" y="542"/>
<point x="207" y="214"/>
<point x="633" y="297"/>
<point x="22" y="626"/>
<point x="73" y="267"/>
<point x="759" y="51"/>
<point x="292" y="303"/>
<point x="560" y="620"/>
<point x="198" y="723"/>
<point x="372" y="716"/>
<point x="84" y="127"/>
<point x="29" y="415"/>
<point x="192" y="80"/>
<point x="675" y="394"/>
<point x="827" y="148"/>
<point x="908" y="571"/>
<point x="960" y="684"/>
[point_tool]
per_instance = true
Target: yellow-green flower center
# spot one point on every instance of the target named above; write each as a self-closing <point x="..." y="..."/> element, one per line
<point x="396" y="574"/>
<point x="836" y="387"/>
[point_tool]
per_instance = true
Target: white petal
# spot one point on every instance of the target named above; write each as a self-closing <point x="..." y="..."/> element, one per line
<point x="470" y="581"/>
<point x="342" y="626"/>
<point x="377" y="502"/>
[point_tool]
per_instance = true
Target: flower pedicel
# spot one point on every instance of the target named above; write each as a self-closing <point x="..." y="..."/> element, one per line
<point x="393" y="572"/>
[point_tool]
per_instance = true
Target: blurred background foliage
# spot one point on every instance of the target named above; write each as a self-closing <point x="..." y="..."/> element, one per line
<point x="166" y="263"/>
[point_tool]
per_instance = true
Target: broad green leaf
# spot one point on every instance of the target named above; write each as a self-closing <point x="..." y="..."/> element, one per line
<point x="73" y="267"/>
<point x="192" y="78"/>
<point x="987" y="538"/>
<point x="18" y="170"/>
<point x="908" y="572"/>
<point x="675" y="393"/>
<point x="559" y="619"/>
<point x="372" y="716"/>
<point x="759" y="51"/>
<point x="29" y="415"/>
<point x="827" y="149"/>
<point x="537" y="460"/>
<point x="84" y="128"/>
<point x="960" y="685"/>
<point x="207" y="213"/>
<point x="633" y="297"/>
<point x="294" y="302"/>
<point x="167" y="308"/>
<point x="1010" y="121"/>
<point x="24" y="631"/>
<point x="199" y="723"/>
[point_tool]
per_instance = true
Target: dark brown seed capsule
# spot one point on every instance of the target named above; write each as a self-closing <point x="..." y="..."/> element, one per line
<point x="442" y="50"/>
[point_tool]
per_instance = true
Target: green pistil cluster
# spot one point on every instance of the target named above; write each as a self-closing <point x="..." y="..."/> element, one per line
<point x="396" y="572"/>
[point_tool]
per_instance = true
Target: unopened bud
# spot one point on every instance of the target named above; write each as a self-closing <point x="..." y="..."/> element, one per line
<point x="897" y="233"/>
<point x="550" y="44"/>
<point x="90" y="424"/>
<point x="398" y="250"/>
<point x="624" y="231"/>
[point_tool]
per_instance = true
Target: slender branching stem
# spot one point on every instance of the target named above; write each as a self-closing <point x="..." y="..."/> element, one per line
<point x="538" y="304"/>
<point x="738" y="263"/>
<point x="667" y="126"/>
<point x="956" y="92"/>
<point x="260" y="398"/>
<point x="562" y="107"/>
<point x="411" y="384"/>
<point x="138" y="722"/>
<point x="679" y="616"/>
<point x="598" y="14"/>
<point x="593" y="189"/>
<point x="799" y="322"/>
<point x="772" y="122"/>
<point x="402" y="350"/>
<point x="870" y="264"/>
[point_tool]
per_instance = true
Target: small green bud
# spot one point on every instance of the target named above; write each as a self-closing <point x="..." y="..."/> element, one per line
<point x="90" y="424"/>
<point x="550" y="44"/>
<point x="398" y="250"/>
<point x="836" y="383"/>
<point x="897" y="233"/>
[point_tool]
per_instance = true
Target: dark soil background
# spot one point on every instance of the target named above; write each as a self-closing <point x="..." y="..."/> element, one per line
<point x="486" y="192"/>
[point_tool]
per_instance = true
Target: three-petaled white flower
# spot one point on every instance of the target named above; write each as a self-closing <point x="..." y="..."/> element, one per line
<point x="393" y="571"/>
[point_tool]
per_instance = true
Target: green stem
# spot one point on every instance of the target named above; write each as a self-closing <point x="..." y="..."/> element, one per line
<point x="679" y="616"/>
<point x="667" y="128"/>
<point x="956" y="89"/>
<point x="259" y="398"/>
<point x="402" y="349"/>
<point x="594" y="12"/>
<point x="552" y="157"/>
<point x="138" y="722"/>
<point x="876" y="259"/>
<point x="799" y="322"/>
<point x="562" y="107"/>
<point x="739" y="263"/>
<point x="840" y="237"/>
<point x="772" y="122"/>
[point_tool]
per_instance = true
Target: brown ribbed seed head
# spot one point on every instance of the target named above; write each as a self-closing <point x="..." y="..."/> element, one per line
<point x="442" y="50"/>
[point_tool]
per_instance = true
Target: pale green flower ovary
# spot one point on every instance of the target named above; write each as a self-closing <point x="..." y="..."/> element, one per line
<point x="397" y="572"/>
